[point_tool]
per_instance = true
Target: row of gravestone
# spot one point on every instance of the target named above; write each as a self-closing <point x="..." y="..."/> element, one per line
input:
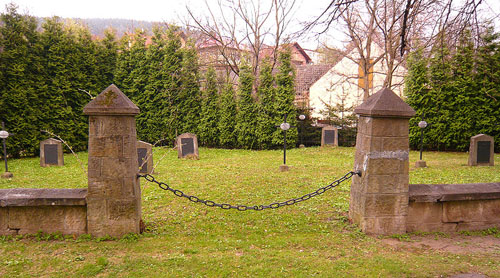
<point x="481" y="150"/>
<point x="51" y="152"/>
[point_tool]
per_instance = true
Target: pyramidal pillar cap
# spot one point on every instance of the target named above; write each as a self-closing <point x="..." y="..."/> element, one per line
<point x="385" y="103"/>
<point x="111" y="101"/>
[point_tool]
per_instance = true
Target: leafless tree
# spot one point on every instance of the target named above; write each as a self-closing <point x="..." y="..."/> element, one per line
<point x="244" y="28"/>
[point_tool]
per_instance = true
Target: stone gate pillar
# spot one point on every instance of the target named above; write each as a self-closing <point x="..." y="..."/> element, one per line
<point x="379" y="198"/>
<point x="114" y="194"/>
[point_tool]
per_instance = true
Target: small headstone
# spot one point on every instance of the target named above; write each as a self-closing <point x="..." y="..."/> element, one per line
<point x="187" y="146"/>
<point x="481" y="150"/>
<point x="51" y="153"/>
<point x="145" y="157"/>
<point x="329" y="136"/>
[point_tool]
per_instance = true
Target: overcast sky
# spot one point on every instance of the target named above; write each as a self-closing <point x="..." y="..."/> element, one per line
<point x="170" y="11"/>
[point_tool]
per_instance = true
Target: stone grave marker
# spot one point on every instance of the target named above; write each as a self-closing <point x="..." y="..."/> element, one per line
<point x="481" y="150"/>
<point x="145" y="157"/>
<point x="329" y="136"/>
<point x="187" y="146"/>
<point x="51" y="153"/>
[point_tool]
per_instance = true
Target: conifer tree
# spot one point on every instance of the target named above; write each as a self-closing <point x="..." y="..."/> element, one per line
<point x="285" y="96"/>
<point x="464" y="102"/>
<point x="417" y="93"/>
<point x="487" y="77"/>
<point x="208" y="131"/>
<point x="20" y="88"/>
<point x="106" y="59"/>
<point x="189" y="93"/>
<point x="226" y="123"/>
<point x="246" y="117"/>
<point x="440" y="113"/>
<point x="266" y="112"/>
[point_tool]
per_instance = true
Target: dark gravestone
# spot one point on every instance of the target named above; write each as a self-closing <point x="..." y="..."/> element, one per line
<point x="483" y="151"/>
<point x="187" y="146"/>
<point x="145" y="157"/>
<point x="50" y="154"/>
<point x="329" y="137"/>
<point x="142" y="154"/>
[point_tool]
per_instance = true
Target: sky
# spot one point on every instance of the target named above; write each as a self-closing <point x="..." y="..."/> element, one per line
<point x="173" y="11"/>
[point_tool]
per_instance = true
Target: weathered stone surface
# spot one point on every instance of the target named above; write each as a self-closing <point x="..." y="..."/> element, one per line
<point x="384" y="225"/>
<point x="379" y="199"/>
<point x="453" y="207"/>
<point x="114" y="206"/>
<point x="111" y="101"/>
<point x="51" y="153"/>
<point x="386" y="184"/>
<point x="42" y="197"/>
<point x="4" y="219"/>
<point x="472" y="211"/>
<point x="425" y="213"/>
<point x="385" y="103"/>
<point x="475" y="156"/>
<point x="48" y="219"/>
<point x="380" y="205"/>
<point x="454" y="192"/>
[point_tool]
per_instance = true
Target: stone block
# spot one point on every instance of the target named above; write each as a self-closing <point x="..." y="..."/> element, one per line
<point x="384" y="225"/>
<point x="119" y="167"/>
<point x="387" y="127"/>
<point x="472" y="211"/>
<point x="119" y="209"/>
<point x="75" y="220"/>
<point x="4" y="219"/>
<point x="431" y="227"/>
<point x="105" y="187"/>
<point x="382" y="165"/>
<point x="106" y="146"/>
<point x="29" y="220"/>
<point x="386" y="184"/>
<point x="94" y="166"/>
<point x="380" y="205"/>
<point x="420" y="213"/>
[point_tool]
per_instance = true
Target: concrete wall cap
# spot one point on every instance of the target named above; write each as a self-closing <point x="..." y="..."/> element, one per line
<point x="111" y="101"/>
<point x="16" y="197"/>
<point x="454" y="192"/>
<point x="385" y="103"/>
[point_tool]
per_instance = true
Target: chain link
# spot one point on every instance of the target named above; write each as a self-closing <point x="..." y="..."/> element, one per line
<point x="275" y="205"/>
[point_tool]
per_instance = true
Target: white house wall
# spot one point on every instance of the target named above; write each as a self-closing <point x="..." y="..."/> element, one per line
<point x="340" y="83"/>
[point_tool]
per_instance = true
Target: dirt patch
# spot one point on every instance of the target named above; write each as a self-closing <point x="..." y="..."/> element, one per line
<point x="452" y="243"/>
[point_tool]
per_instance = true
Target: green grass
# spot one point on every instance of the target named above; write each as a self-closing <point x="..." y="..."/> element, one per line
<point x="184" y="239"/>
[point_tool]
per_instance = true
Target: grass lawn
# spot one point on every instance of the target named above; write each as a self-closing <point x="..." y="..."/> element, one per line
<point x="312" y="238"/>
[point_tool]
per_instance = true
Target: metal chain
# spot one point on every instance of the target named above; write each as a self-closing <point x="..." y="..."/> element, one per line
<point x="275" y="205"/>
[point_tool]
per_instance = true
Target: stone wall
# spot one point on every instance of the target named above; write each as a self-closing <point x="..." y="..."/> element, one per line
<point x="28" y="211"/>
<point x="453" y="207"/>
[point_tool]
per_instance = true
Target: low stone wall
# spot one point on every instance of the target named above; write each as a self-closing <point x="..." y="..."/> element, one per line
<point x="27" y="211"/>
<point x="453" y="207"/>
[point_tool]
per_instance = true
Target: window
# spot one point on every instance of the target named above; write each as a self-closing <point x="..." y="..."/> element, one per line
<point x="361" y="75"/>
